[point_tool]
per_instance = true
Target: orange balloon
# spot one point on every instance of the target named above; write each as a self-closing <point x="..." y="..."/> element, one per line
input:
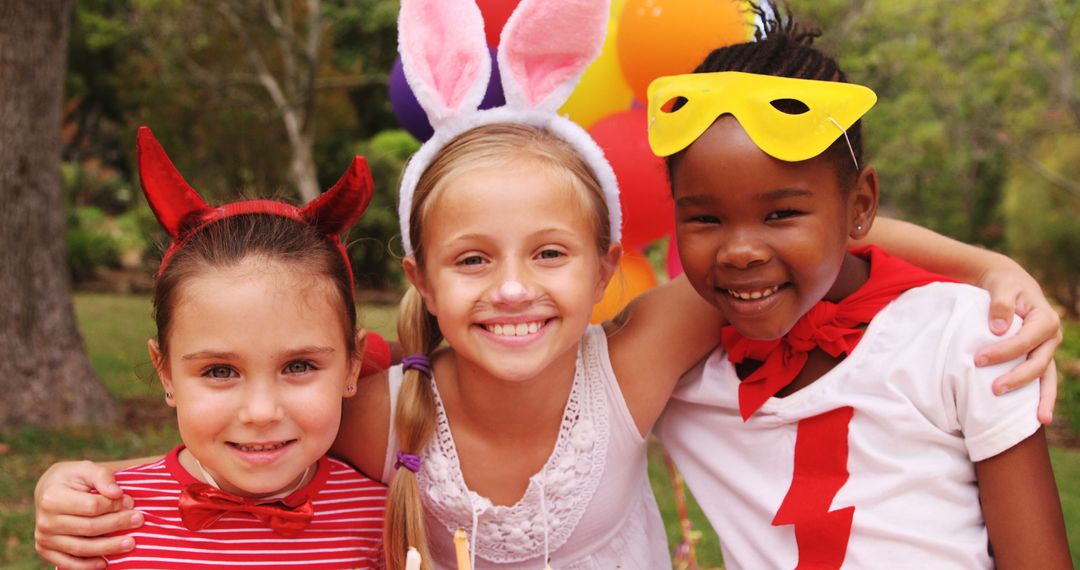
<point x="634" y="276"/>
<point x="669" y="37"/>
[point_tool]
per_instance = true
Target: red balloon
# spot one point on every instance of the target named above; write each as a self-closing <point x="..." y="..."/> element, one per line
<point x="644" y="191"/>
<point x="496" y="13"/>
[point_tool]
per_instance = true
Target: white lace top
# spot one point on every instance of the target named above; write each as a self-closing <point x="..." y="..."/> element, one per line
<point x="593" y="491"/>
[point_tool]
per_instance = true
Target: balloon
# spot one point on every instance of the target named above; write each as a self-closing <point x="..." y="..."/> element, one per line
<point x="603" y="89"/>
<point x="634" y="276"/>
<point x="407" y="109"/>
<point x="412" y="116"/>
<point x="674" y="264"/>
<point x="496" y="13"/>
<point x="669" y="37"/>
<point x="644" y="192"/>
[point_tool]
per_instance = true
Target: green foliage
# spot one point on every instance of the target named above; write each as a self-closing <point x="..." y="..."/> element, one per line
<point x="89" y="244"/>
<point x="1043" y="230"/>
<point x="1067" y="472"/>
<point x="138" y="230"/>
<point x="1068" y="359"/>
<point x="92" y="183"/>
<point x="376" y="263"/>
<point x="964" y="89"/>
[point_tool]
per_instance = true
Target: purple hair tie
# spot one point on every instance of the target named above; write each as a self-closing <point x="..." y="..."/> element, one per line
<point x="419" y="362"/>
<point x="408" y="461"/>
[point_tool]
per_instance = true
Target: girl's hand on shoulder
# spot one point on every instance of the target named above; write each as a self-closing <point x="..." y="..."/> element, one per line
<point x="70" y="519"/>
<point x="1013" y="290"/>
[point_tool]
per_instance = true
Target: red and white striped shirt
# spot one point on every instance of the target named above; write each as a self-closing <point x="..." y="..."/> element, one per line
<point x="345" y="533"/>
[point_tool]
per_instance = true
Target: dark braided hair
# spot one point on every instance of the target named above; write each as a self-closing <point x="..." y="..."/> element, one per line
<point x="783" y="48"/>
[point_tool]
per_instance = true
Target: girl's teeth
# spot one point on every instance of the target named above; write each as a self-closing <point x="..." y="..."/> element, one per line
<point x="754" y="295"/>
<point x="519" y="329"/>
<point x="261" y="447"/>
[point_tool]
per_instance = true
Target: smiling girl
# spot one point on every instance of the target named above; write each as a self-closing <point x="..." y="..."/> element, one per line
<point x="527" y="427"/>
<point x="846" y="421"/>
<point x="256" y="347"/>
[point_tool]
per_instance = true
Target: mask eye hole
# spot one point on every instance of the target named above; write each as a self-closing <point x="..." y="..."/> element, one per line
<point x="790" y="106"/>
<point x="674" y="104"/>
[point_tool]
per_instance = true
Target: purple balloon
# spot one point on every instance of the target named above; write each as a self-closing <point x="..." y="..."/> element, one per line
<point x="411" y="115"/>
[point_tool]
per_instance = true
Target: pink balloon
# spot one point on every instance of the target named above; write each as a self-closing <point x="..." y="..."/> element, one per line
<point x="644" y="190"/>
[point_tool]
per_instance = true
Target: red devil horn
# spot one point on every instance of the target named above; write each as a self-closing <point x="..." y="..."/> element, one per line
<point x="339" y="207"/>
<point x="170" y="197"/>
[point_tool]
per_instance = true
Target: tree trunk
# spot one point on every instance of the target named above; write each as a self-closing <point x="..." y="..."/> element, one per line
<point x="302" y="169"/>
<point x="45" y="376"/>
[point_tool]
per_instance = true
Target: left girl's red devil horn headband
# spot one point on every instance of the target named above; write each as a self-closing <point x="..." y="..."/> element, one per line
<point x="182" y="212"/>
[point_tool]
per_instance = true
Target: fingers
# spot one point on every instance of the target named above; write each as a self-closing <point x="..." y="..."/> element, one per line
<point x="1002" y="309"/>
<point x="1048" y="394"/>
<point x="76" y="552"/>
<point x="1040" y="333"/>
<point x="65" y="562"/>
<point x="55" y="528"/>
<point x="83" y="548"/>
<point x="1039" y="362"/>
<point x="101" y="480"/>
<point x="63" y="501"/>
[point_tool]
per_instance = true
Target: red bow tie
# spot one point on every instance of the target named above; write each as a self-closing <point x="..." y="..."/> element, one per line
<point x="201" y="505"/>
<point x="832" y="327"/>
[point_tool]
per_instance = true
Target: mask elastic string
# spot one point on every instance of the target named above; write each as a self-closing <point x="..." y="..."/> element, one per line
<point x="848" y="141"/>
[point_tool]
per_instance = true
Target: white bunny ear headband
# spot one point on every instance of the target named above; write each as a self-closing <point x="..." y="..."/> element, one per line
<point x="545" y="47"/>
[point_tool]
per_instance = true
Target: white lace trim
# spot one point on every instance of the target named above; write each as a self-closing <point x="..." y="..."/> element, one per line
<point x="568" y="480"/>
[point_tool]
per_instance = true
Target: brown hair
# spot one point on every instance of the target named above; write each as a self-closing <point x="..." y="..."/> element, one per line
<point x="229" y="241"/>
<point x="491" y="146"/>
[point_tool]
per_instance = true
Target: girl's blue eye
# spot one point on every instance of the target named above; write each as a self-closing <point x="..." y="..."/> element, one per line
<point x="550" y="254"/>
<point x="472" y="260"/>
<point x="219" y="372"/>
<point x="299" y="367"/>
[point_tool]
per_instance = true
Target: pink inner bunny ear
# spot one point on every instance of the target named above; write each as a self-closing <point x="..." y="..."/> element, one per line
<point x="546" y="46"/>
<point x="171" y="198"/>
<point x="444" y="55"/>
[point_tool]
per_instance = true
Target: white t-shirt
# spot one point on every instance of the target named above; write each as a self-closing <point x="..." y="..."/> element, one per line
<point x="923" y="414"/>
<point x="592" y="495"/>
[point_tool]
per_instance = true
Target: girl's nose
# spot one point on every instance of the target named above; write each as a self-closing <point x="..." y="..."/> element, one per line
<point x="742" y="252"/>
<point x="262" y="405"/>
<point x="511" y="292"/>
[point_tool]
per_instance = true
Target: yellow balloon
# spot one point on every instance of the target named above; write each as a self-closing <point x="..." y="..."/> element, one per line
<point x="634" y="276"/>
<point x="602" y="90"/>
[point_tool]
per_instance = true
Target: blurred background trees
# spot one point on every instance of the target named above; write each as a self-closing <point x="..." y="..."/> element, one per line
<point x="975" y="134"/>
<point x="247" y="96"/>
<point x="977" y="130"/>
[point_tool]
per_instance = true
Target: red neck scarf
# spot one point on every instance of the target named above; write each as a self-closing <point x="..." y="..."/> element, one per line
<point x="832" y="327"/>
<point x="201" y="505"/>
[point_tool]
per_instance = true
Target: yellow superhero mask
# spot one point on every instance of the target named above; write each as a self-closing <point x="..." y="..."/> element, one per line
<point x="828" y="109"/>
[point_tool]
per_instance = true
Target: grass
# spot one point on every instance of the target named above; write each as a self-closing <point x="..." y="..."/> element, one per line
<point x="115" y="329"/>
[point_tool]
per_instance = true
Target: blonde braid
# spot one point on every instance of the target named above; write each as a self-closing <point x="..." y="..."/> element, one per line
<point x="415" y="423"/>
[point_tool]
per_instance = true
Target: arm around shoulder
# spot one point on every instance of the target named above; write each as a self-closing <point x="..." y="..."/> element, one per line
<point x="659" y="336"/>
<point x="365" y="426"/>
